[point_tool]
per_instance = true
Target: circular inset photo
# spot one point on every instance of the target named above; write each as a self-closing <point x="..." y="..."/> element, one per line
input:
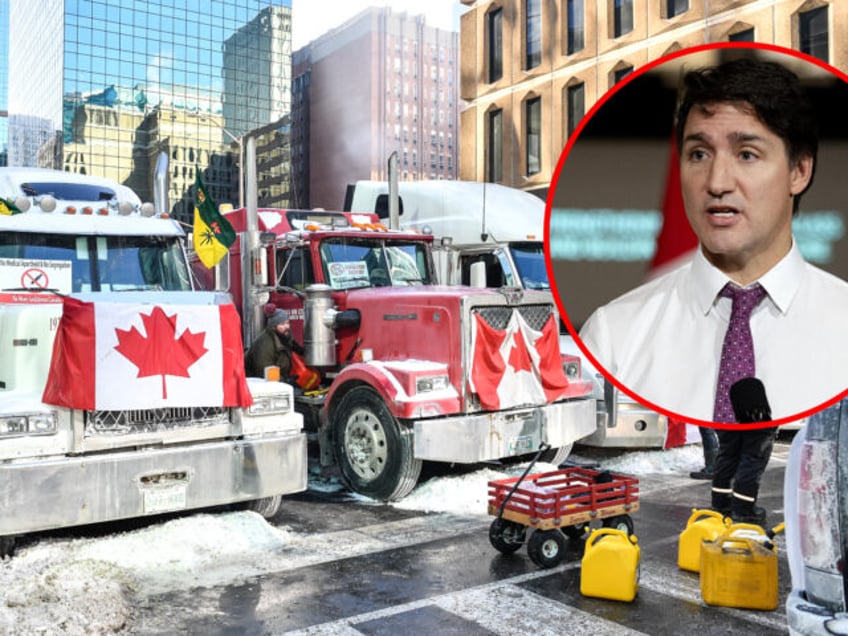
<point x="696" y="235"/>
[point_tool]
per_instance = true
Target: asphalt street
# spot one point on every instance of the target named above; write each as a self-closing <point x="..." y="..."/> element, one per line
<point x="367" y="568"/>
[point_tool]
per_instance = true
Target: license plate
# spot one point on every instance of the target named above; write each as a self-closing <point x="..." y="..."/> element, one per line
<point x="165" y="499"/>
<point x="519" y="445"/>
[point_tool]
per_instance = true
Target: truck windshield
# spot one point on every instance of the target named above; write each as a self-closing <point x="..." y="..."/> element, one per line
<point x="66" y="264"/>
<point x="530" y="261"/>
<point x="69" y="191"/>
<point x="353" y="262"/>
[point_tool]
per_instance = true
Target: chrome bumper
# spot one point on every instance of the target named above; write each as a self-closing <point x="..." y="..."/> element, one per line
<point x="69" y="491"/>
<point x="630" y="425"/>
<point x="479" y="437"/>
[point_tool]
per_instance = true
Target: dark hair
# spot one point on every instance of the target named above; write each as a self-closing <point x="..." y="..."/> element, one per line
<point x="773" y="92"/>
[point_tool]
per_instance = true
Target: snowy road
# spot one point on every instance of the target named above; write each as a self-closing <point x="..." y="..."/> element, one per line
<point x="332" y="563"/>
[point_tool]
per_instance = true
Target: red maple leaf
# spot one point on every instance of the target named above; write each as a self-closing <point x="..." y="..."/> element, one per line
<point x="519" y="357"/>
<point x="160" y="352"/>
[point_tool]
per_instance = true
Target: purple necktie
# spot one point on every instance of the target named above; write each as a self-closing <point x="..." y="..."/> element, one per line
<point x="737" y="352"/>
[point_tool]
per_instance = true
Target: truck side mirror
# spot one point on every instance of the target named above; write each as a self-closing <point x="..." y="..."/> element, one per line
<point x="478" y="275"/>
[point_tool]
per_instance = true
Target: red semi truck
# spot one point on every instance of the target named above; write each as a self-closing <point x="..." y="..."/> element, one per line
<point x="411" y="371"/>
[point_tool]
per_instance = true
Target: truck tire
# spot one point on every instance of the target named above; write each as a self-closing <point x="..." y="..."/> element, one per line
<point x="374" y="453"/>
<point x="7" y="546"/>
<point x="268" y="507"/>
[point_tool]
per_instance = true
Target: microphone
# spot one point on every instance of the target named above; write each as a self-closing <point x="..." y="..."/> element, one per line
<point x="749" y="402"/>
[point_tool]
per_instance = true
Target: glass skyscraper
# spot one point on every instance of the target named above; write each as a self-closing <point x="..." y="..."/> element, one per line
<point x="111" y="87"/>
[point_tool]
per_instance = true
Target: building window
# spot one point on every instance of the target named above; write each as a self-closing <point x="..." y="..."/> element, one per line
<point x="576" y="106"/>
<point x="746" y="35"/>
<point x="675" y="7"/>
<point x="495" y="155"/>
<point x="622" y="17"/>
<point x="621" y="73"/>
<point x="812" y="27"/>
<point x="576" y="24"/>
<point x="533" y="32"/>
<point x="534" y="135"/>
<point x="495" y="26"/>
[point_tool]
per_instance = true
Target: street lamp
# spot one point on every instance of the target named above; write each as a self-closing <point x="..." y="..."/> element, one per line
<point x="239" y="141"/>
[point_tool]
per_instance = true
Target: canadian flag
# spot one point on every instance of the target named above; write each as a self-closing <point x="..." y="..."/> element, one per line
<point x="118" y="356"/>
<point x="515" y="366"/>
<point x="676" y="243"/>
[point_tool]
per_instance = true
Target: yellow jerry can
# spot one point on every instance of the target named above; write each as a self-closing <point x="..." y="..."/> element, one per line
<point x="739" y="569"/>
<point x="610" y="565"/>
<point x="703" y="525"/>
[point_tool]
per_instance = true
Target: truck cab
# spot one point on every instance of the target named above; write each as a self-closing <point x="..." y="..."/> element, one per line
<point x="503" y="228"/>
<point x="69" y="239"/>
<point x="399" y="354"/>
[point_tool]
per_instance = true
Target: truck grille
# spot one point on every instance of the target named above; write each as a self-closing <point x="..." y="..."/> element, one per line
<point x="152" y="420"/>
<point x="498" y="317"/>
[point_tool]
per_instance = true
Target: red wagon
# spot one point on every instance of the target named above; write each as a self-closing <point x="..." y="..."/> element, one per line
<point x="562" y="502"/>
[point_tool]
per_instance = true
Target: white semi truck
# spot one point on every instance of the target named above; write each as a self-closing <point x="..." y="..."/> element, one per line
<point x="502" y="228"/>
<point x="138" y="448"/>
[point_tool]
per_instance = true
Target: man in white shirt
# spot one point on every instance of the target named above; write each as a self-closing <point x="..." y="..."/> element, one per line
<point x="748" y="143"/>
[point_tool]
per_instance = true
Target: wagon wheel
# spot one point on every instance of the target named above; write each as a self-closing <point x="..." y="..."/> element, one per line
<point x="546" y="548"/>
<point x="620" y="522"/>
<point x="373" y="451"/>
<point x="576" y="531"/>
<point x="506" y="536"/>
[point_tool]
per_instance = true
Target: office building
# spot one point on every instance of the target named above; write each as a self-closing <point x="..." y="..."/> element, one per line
<point x="383" y="82"/>
<point x="532" y="69"/>
<point x="121" y="83"/>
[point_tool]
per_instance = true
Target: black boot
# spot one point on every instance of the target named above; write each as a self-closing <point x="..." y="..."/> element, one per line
<point x="743" y="511"/>
<point x="709" y="466"/>
<point x="721" y="502"/>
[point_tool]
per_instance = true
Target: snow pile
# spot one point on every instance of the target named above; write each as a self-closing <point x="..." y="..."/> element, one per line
<point x="680" y="460"/>
<point x="466" y="495"/>
<point x="86" y="586"/>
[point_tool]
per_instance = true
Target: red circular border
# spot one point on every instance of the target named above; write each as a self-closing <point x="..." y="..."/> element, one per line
<point x="549" y="203"/>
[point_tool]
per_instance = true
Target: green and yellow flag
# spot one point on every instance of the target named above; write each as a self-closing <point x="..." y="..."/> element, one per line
<point x="8" y="207"/>
<point x="213" y="234"/>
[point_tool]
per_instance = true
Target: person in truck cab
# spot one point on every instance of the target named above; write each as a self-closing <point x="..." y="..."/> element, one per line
<point x="747" y="305"/>
<point x="273" y="346"/>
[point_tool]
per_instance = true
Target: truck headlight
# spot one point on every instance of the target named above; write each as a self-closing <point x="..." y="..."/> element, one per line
<point x="431" y="383"/>
<point x="266" y="404"/>
<point x="572" y="369"/>
<point x="28" y="424"/>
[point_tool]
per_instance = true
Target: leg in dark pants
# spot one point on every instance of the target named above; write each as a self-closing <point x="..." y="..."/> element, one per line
<point x="709" y="439"/>
<point x="754" y="456"/>
<point x="727" y="461"/>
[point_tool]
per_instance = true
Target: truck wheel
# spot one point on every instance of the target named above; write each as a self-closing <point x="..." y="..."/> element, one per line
<point x="546" y="548"/>
<point x="7" y="546"/>
<point x="375" y="455"/>
<point x="556" y="456"/>
<point x="267" y="506"/>
<point x="506" y="536"/>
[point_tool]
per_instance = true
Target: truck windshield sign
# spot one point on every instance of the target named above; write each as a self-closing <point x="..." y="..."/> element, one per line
<point x="344" y="275"/>
<point x="30" y="274"/>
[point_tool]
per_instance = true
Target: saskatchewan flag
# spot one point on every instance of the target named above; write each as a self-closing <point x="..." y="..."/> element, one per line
<point x="7" y="207"/>
<point x="213" y="234"/>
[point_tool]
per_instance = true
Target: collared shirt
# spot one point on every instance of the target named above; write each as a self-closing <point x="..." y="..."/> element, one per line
<point x="663" y="339"/>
